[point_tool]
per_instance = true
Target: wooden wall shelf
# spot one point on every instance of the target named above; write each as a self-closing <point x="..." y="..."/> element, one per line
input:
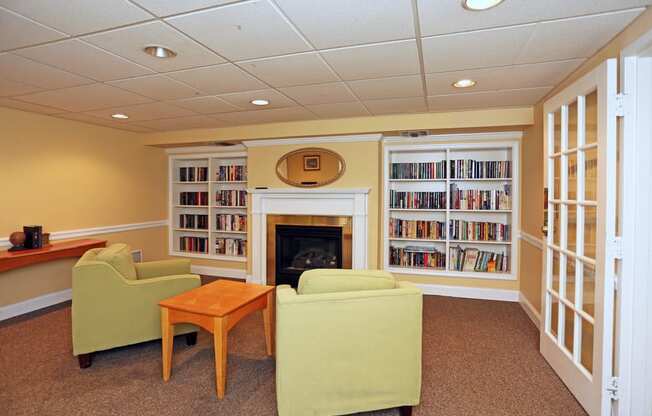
<point x="10" y="260"/>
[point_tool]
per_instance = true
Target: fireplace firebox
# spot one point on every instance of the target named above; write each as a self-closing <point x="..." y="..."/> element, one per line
<point x="304" y="247"/>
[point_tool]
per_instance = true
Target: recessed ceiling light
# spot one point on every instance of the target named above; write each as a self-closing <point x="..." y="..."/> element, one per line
<point x="120" y="116"/>
<point x="259" y="102"/>
<point x="477" y="5"/>
<point x="160" y="52"/>
<point x="464" y="83"/>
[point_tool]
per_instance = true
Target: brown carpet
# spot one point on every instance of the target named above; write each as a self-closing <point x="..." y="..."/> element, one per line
<point x="479" y="358"/>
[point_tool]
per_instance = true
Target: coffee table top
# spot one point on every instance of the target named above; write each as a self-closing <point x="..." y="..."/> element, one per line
<point x="218" y="298"/>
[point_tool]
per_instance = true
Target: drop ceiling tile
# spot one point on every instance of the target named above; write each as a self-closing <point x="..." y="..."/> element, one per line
<point x="169" y="7"/>
<point x="21" y="69"/>
<point x="84" y="59"/>
<point x="439" y="17"/>
<point x="374" y="61"/>
<point x="84" y="98"/>
<point x="395" y="87"/>
<point x="351" y="22"/>
<point x="157" y="87"/>
<point x="397" y="105"/>
<point x="134" y="128"/>
<point x="514" y="77"/>
<point x="17" y="31"/>
<point x="182" y="123"/>
<point x="129" y="43"/>
<point x="241" y="31"/>
<point x="337" y="110"/>
<point x="21" y="105"/>
<point x="550" y="40"/>
<point x="243" y="99"/>
<point x="206" y="105"/>
<point x="503" y="98"/>
<point x="267" y="116"/>
<point x="143" y="112"/>
<point x="9" y="88"/>
<point x="86" y="118"/>
<point x="79" y="16"/>
<point x="290" y="70"/>
<point x="218" y="79"/>
<point x="480" y="49"/>
<point x="334" y="92"/>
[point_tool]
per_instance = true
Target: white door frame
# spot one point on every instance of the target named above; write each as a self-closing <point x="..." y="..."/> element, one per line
<point x="634" y="323"/>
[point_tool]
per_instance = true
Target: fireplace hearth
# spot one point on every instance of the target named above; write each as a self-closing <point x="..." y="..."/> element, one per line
<point x="304" y="247"/>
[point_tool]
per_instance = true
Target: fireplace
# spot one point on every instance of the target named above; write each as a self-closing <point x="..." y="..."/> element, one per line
<point x="300" y="248"/>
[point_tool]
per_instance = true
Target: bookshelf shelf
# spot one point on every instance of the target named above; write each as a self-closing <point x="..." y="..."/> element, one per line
<point x="222" y="178"/>
<point x="476" y="161"/>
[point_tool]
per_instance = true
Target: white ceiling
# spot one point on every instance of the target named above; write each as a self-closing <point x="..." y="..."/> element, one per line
<point x="83" y="59"/>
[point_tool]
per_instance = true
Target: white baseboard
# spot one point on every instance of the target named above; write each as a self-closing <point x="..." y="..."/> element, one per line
<point x="219" y="272"/>
<point x="529" y="309"/>
<point x="34" y="304"/>
<point x="469" y="292"/>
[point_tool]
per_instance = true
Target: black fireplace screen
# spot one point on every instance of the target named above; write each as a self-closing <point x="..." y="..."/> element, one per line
<point x="300" y="248"/>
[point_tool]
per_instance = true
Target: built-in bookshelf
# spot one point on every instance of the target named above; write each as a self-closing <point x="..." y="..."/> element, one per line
<point x="208" y="205"/>
<point x="451" y="205"/>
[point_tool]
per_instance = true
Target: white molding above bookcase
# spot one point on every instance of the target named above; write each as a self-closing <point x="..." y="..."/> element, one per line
<point x="444" y="145"/>
<point x="210" y="160"/>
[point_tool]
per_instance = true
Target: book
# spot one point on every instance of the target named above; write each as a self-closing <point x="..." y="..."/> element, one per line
<point x="470" y="258"/>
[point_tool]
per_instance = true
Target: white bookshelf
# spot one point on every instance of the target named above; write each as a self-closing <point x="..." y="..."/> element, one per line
<point x="212" y="186"/>
<point x="477" y="146"/>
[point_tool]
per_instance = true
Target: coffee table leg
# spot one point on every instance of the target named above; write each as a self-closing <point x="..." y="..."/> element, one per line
<point x="167" y="342"/>
<point x="219" y="342"/>
<point x="268" y="321"/>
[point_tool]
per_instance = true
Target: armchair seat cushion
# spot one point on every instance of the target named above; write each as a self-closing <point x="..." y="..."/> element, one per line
<point x="337" y="280"/>
<point x="119" y="256"/>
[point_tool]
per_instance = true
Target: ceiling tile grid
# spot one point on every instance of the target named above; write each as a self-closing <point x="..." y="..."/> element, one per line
<point x="84" y="59"/>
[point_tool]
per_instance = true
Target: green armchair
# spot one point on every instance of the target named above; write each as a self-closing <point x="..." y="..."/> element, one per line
<point x="347" y="341"/>
<point x="115" y="301"/>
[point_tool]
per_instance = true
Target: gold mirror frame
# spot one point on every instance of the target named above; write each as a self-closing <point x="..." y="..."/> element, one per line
<point x="310" y="149"/>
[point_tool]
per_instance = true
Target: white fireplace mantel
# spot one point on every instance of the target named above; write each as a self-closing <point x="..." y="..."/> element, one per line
<point x="350" y="202"/>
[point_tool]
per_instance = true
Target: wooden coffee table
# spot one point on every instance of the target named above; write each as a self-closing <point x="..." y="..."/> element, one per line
<point x="216" y="307"/>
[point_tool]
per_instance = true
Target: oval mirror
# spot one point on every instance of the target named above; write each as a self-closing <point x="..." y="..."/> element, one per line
<point x="310" y="167"/>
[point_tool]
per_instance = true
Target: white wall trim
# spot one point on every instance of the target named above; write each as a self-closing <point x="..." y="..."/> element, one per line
<point x="532" y="240"/>
<point x="469" y="292"/>
<point x="30" y="305"/>
<point x="457" y="137"/>
<point x="189" y="150"/>
<point x="529" y="309"/>
<point x="84" y="232"/>
<point x="315" y="140"/>
<point x="219" y="272"/>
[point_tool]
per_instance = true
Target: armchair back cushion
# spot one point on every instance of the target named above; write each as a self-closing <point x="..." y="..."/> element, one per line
<point x="338" y="280"/>
<point x="119" y="256"/>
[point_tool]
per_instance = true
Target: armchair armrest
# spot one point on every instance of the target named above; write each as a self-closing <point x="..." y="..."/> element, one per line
<point x="162" y="268"/>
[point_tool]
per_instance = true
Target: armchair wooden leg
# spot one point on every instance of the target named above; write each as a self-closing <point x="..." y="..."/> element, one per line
<point x="191" y="338"/>
<point x="405" y="410"/>
<point x="85" y="360"/>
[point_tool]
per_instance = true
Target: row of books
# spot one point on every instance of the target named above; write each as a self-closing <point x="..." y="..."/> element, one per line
<point x="414" y="256"/>
<point x="193" y="174"/>
<point x="417" y="200"/>
<point x="433" y="230"/>
<point x="474" y="260"/>
<point x="480" y="169"/>
<point x="231" y="173"/>
<point x="196" y="221"/>
<point x="231" y="222"/>
<point x="193" y="198"/>
<point x="479" y="231"/>
<point x="420" y="170"/>
<point x="478" y="199"/>
<point x="193" y="244"/>
<point x="231" y="246"/>
<point x="231" y="198"/>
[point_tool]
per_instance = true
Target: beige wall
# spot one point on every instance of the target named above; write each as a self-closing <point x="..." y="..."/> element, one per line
<point x="67" y="175"/>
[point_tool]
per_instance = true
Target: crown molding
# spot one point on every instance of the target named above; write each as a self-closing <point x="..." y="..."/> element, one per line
<point x="314" y="140"/>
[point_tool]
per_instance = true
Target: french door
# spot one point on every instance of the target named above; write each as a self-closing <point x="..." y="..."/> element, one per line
<point x="580" y="129"/>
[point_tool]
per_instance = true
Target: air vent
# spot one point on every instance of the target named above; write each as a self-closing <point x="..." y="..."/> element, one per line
<point x="414" y="133"/>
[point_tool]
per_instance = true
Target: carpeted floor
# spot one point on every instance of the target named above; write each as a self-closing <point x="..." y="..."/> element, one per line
<point x="479" y="358"/>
